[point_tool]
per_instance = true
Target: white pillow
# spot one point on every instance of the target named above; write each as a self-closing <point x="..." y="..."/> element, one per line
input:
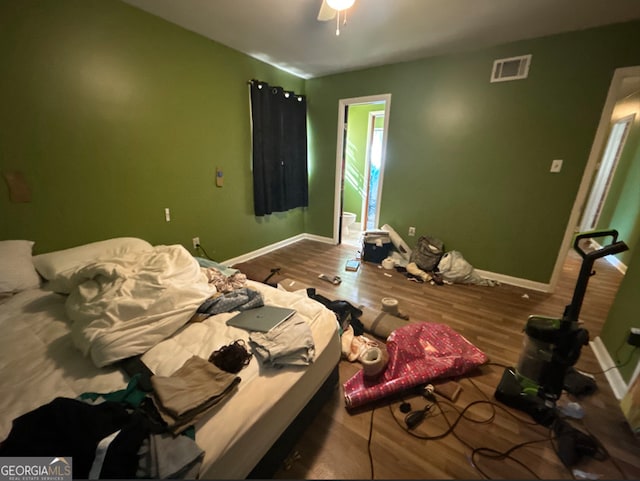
<point x="53" y="263"/>
<point x="16" y="266"/>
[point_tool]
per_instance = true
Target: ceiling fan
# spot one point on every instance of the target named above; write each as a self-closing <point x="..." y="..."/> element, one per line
<point x="331" y="9"/>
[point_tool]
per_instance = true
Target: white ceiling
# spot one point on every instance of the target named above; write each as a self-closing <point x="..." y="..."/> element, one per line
<point x="286" y="33"/>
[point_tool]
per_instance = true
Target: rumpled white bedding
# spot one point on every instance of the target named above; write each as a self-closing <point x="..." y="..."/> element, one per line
<point x="124" y="306"/>
<point x="267" y="399"/>
<point x="40" y="362"/>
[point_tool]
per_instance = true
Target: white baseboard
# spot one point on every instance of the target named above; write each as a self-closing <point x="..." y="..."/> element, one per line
<point x="613" y="376"/>
<point x="318" y="238"/>
<point x="272" y="247"/>
<point x="613" y="260"/>
<point x="515" y="281"/>
<point x="617" y="263"/>
<point x="616" y="382"/>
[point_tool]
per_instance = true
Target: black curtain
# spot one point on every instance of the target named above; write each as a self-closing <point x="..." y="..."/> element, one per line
<point x="279" y="121"/>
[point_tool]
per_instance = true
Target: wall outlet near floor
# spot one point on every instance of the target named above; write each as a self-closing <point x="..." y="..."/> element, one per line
<point x="634" y="337"/>
<point x="412" y="231"/>
<point x="167" y="214"/>
<point x="196" y="242"/>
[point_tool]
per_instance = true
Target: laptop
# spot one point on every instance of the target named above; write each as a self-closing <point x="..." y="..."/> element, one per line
<point x="261" y="319"/>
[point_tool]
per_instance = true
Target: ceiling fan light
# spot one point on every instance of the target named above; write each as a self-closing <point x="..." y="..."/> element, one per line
<point x="340" y="5"/>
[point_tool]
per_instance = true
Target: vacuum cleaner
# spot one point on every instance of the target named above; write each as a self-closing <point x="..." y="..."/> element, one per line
<point x="552" y="346"/>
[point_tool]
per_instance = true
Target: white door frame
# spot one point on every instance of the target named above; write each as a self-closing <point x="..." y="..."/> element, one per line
<point x="599" y="141"/>
<point x="337" y="200"/>
<point x="606" y="169"/>
<point x="367" y="166"/>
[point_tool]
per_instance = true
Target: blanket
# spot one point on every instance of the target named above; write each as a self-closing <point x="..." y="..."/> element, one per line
<point x="418" y="353"/>
<point x="122" y="307"/>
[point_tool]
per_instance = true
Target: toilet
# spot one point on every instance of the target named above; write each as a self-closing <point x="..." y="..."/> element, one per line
<point x="348" y="218"/>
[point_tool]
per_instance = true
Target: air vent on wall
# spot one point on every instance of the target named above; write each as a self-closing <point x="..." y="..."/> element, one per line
<point x="513" y="68"/>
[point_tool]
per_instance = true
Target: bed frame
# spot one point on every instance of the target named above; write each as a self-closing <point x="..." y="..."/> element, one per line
<point x="273" y="459"/>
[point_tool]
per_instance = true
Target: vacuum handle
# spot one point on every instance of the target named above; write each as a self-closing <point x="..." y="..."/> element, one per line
<point x="572" y="311"/>
<point x="614" y="248"/>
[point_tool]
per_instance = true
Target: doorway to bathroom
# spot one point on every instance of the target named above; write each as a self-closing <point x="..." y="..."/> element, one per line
<point x="362" y="127"/>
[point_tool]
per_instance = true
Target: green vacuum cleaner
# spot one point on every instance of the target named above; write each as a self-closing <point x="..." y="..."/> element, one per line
<point x="552" y="346"/>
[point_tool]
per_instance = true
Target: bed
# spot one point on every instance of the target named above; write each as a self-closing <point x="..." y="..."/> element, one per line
<point x="44" y="356"/>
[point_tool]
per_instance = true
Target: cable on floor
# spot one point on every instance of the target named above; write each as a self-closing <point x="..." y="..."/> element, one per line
<point x="464" y="413"/>
<point x="602" y="448"/>
<point x="369" y="443"/>
<point x="615" y="365"/>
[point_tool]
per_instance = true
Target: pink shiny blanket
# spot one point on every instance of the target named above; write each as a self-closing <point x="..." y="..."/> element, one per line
<point x="418" y="353"/>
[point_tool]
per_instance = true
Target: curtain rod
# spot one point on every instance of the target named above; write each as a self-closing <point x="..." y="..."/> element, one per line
<point x="290" y="92"/>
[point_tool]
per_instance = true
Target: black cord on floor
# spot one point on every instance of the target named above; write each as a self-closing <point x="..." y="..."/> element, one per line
<point x="491" y="363"/>
<point x="493" y="453"/>
<point x="603" y="449"/>
<point x="369" y="442"/>
<point x="484" y="451"/>
<point x="465" y="414"/>
<point x="615" y="365"/>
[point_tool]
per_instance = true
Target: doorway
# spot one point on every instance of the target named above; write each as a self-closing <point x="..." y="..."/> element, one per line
<point x="606" y="169"/>
<point x="373" y="164"/>
<point x="625" y="83"/>
<point x="360" y="156"/>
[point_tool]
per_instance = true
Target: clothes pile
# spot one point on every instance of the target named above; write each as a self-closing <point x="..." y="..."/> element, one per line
<point x="288" y="344"/>
<point x="430" y="263"/>
<point x="190" y="392"/>
<point x="112" y="435"/>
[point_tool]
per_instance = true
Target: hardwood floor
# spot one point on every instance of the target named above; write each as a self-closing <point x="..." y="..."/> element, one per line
<point x="336" y="444"/>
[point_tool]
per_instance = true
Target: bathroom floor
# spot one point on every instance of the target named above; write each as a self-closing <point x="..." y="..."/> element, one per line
<point x="353" y="237"/>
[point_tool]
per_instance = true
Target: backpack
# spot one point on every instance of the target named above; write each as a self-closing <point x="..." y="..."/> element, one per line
<point x="345" y="312"/>
<point x="427" y="253"/>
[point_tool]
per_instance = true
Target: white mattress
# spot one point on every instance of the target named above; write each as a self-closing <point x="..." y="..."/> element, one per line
<point x="39" y="363"/>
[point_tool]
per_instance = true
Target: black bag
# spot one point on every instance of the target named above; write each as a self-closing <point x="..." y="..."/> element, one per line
<point x="376" y="248"/>
<point x="345" y="312"/>
<point x="427" y="253"/>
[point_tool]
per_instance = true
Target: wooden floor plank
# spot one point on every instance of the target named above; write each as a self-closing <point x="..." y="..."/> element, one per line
<point x="492" y="318"/>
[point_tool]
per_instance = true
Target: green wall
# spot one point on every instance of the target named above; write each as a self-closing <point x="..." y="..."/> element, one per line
<point x="112" y="115"/>
<point x="621" y="211"/>
<point x="356" y="156"/>
<point x="624" y="314"/>
<point x="468" y="160"/>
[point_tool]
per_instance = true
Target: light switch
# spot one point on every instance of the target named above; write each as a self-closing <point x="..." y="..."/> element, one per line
<point x="556" y="166"/>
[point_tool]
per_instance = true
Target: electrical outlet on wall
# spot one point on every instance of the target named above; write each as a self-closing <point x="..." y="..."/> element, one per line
<point x="634" y="337"/>
<point x="412" y="231"/>
<point x="556" y="166"/>
<point x="196" y="242"/>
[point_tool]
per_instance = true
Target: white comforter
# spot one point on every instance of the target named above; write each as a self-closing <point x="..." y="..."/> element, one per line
<point x="39" y="363"/>
<point x="125" y="306"/>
